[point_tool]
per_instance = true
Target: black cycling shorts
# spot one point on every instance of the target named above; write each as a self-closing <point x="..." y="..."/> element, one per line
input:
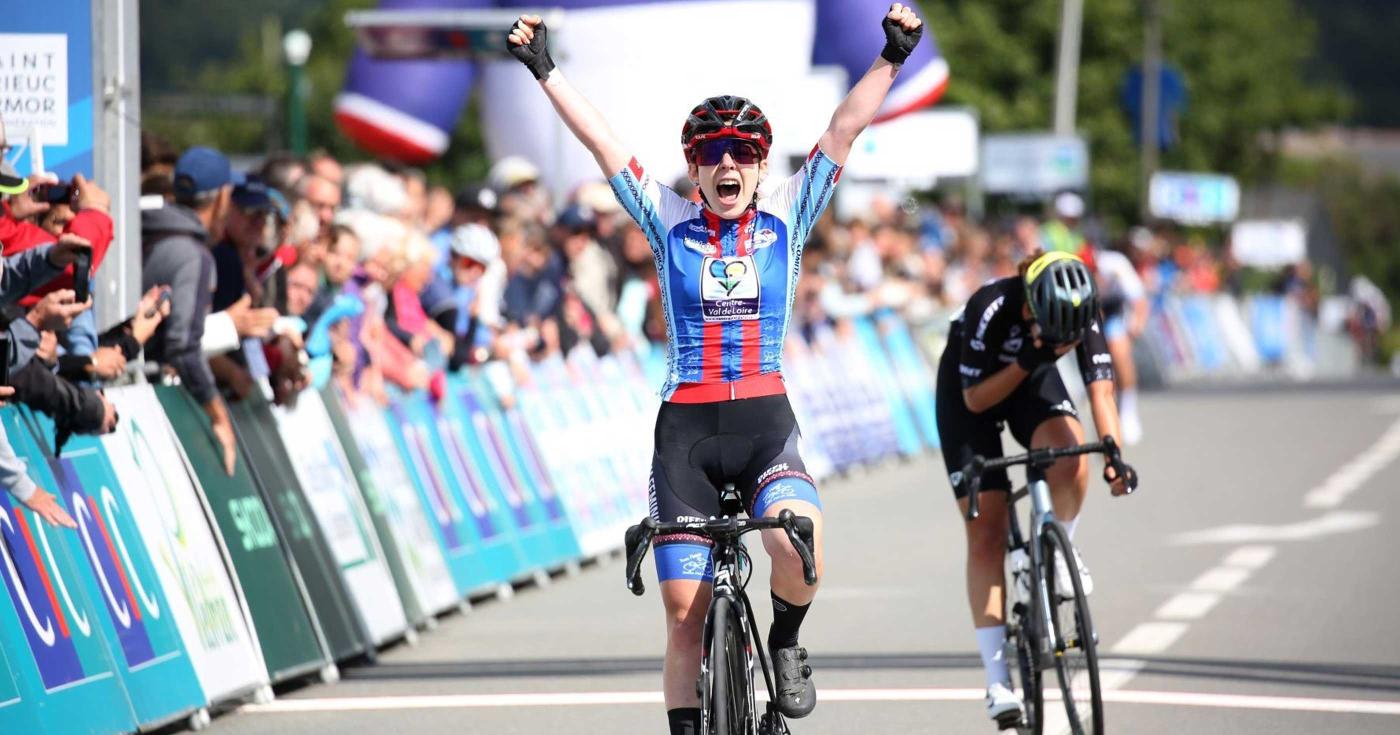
<point x="699" y="448"/>
<point x="964" y="434"/>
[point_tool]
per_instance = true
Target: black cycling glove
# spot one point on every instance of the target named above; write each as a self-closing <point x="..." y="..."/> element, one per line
<point x="535" y="54"/>
<point x="1031" y="357"/>
<point x="899" y="43"/>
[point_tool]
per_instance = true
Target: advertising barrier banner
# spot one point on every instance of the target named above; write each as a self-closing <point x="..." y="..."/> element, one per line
<point x="330" y="489"/>
<point x="276" y="479"/>
<point x="286" y="632"/>
<point x="184" y="549"/>
<point x="59" y="674"/>
<point x="157" y="674"/>
<point x="421" y="552"/>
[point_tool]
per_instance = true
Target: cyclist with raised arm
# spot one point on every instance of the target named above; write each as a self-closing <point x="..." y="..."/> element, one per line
<point x="999" y="369"/>
<point x="728" y="269"/>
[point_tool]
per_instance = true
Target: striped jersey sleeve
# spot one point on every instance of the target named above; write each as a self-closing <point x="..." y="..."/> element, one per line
<point x="801" y="199"/>
<point x="655" y="207"/>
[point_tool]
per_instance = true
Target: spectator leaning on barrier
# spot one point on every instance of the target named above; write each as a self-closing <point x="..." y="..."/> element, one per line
<point x="175" y="252"/>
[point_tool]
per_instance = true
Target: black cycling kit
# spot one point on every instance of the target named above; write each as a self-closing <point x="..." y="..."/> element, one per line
<point x="984" y="338"/>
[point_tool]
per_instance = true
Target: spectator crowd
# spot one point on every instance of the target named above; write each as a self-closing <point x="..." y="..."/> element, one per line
<point x="305" y="270"/>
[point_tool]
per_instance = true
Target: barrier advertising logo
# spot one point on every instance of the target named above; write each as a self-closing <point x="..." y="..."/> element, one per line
<point x="30" y="583"/>
<point x="118" y="583"/>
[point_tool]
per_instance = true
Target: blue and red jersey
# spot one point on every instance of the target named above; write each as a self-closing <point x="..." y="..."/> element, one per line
<point x="727" y="286"/>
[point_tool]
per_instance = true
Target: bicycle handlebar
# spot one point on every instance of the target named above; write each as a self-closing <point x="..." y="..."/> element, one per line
<point x="639" y="537"/>
<point x="1041" y="459"/>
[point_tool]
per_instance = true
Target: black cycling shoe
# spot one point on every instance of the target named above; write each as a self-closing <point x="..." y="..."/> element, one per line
<point x="797" y="695"/>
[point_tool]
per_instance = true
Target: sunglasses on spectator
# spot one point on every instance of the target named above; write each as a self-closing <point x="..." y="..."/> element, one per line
<point x="711" y="152"/>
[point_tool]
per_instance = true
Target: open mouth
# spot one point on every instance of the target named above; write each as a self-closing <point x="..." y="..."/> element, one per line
<point x="728" y="192"/>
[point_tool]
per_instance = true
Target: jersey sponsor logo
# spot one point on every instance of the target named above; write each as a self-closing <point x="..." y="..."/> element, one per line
<point x="779" y="492"/>
<point x="1094" y="326"/>
<point x="780" y="467"/>
<point x="764" y="238"/>
<point x="987" y="315"/>
<point x="729" y="289"/>
<point x="978" y="345"/>
<point x="698" y="227"/>
<point x="1012" y="345"/>
<point x="689" y="519"/>
<point x="1102" y="358"/>
<point x="698" y="246"/>
<point x="1067" y="407"/>
<point x="696" y="564"/>
<point x="969" y="371"/>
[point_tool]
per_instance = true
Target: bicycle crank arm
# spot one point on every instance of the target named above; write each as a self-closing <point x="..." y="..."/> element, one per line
<point x="772" y="722"/>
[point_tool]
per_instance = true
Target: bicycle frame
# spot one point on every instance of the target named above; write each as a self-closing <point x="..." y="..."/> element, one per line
<point x="729" y="584"/>
<point x="1042" y="514"/>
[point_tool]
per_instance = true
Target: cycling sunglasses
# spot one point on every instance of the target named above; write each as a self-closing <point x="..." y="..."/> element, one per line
<point x="711" y="152"/>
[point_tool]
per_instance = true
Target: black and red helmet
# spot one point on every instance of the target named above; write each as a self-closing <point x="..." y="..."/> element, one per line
<point x="726" y="116"/>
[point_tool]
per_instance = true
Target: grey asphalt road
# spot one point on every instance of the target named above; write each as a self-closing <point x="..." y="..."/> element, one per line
<point x="1224" y="602"/>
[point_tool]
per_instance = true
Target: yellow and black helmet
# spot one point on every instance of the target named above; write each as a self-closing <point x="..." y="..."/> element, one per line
<point x="1062" y="298"/>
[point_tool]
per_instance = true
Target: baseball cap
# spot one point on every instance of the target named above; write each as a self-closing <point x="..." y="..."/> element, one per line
<point x="477" y="196"/>
<point x="576" y="217"/>
<point x="201" y="169"/>
<point x="476" y="242"/>
<point x="1069" y="205"/>
<point x="512" y="171"/>
<point x="11" y="182"/>
<point x="254" y="194"/>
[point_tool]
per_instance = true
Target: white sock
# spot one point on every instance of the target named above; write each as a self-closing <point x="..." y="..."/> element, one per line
<point x="1127" y="402"/>
<point x="991" y="643"/>
<point x="1070" y="525"/>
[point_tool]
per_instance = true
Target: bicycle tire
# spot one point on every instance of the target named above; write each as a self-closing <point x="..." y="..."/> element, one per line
<point x="730" y="709"/>
<point x="1073" y="641"/>
<point x="1026" y="673"/>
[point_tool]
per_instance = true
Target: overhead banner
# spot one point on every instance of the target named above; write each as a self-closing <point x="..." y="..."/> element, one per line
<point x="186" y="553"/>
<point x="286" y="633"/>
<point x="334" y="496"/>
<point x="59" y="674"/>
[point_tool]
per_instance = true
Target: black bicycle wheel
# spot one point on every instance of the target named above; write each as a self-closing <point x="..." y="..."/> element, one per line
<point x="1026" y="672"/>
<point x="730" y="701"/>
<point x="1072" y="640"/>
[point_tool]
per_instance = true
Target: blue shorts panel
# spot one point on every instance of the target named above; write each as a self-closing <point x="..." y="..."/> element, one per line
<point x="784" y="489"/>
<point x="683" y="560"/>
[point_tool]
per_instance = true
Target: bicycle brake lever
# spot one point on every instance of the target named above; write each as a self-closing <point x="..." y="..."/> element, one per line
<point x="800" y="530"/>
<point x="637" y="539"/>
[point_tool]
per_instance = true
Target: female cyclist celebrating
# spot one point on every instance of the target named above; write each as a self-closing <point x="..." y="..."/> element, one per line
<point x="728" y="270"/>
<point x="999" y="368"/>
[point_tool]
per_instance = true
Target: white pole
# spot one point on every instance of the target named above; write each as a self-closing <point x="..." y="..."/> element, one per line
<point x="1067" y="66"/>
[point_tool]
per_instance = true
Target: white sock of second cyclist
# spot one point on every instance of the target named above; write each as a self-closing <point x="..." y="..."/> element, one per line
<point x="991" y="643"/>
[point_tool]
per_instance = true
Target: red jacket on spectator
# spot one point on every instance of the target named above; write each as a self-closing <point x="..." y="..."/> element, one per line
<point x="90" y="224"/>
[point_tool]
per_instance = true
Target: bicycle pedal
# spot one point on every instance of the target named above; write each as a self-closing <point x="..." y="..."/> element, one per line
<point x="773" y="723"/>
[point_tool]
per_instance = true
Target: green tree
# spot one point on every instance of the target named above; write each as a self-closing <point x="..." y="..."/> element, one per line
<point x="1243" y="62"/>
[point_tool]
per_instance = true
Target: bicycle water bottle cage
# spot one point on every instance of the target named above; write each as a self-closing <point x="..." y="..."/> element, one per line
<point x="730" y="504"/>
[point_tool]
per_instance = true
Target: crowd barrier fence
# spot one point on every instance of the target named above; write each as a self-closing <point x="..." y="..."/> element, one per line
<point x="347" y="525"/>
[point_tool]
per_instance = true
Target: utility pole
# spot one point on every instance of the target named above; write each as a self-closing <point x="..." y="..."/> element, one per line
<point x="1151" y="97"/>
<point x="1067" y="65"/>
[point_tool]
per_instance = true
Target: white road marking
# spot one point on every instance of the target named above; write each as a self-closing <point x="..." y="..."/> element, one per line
<point x="1220" y="579"/>
<point x="1352" y="475"/>
<point x="1188" y="606"/>
<point x="1337" y="521"/>
<point x="555" y="699"/>
<point x="1250" y="557"/>
<point x="1148" y="638"/>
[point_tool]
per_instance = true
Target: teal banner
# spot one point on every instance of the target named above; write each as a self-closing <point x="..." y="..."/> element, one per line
<point x="155" y="669"/>
<point x="60" y="674"/>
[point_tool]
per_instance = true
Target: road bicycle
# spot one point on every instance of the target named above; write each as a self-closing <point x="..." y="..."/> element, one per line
<point x="1047" y="627"/>
<point x="725" y="685"/>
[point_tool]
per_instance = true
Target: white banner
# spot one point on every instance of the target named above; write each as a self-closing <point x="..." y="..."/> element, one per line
<point x="34" y="85"/>
<point x="422" y="557"/>
<point x="334" y="497"/>
<point x="170" y="513"/>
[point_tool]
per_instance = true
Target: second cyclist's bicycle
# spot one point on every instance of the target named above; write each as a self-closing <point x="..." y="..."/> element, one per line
<point x="1048" y="626"/>
<point x="727" y="661"/>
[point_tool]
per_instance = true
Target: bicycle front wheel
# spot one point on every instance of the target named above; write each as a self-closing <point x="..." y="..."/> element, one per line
<point x="1072" y="638"/>
<point x="730" y="701"/>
